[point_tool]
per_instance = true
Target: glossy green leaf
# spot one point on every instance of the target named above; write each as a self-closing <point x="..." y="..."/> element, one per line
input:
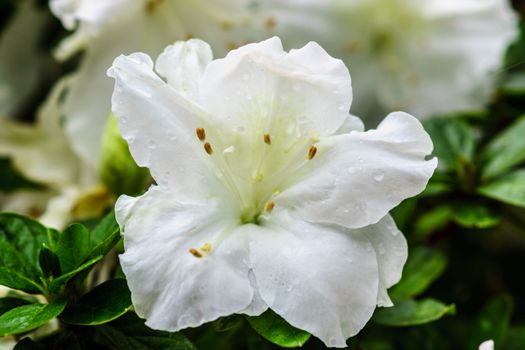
<point x="17" y="272"/>
<point x="129" y="333"/>
<point x="411" y="312"/>
<point x="275" y="329"/>
<point x="509" y="189"/>
<point x="49" y="262"/>
<point x="492" y="322"/>
<point x="424" y="266"/>
<point x="103" y="304"/>
<point x="505" y="151"/>
<point x="454" y="141"/>
<point x="72" y="247"/>
<point x="57" y="284"/>
<point x="433" y="220"/>
<point x="28" y="317"/>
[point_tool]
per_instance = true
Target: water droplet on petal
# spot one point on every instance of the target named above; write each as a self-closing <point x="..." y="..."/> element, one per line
<point x="378" y="175"/>
<point x="245" y="77"/>
<point x="151" y="144"/>
<point x="351" y="170"/>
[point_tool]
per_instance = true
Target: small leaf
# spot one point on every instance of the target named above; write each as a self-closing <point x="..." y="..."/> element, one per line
<point x="454" y="141"/>
<point x="505" y="151"/>
<point x="474" y="215"/>
<point x="16" y="271"/>
<point x="423" y="267"/>
<point x="492" y="322"/>
<point x="411" y="312"/>
<point x="57" y="284"/>
<point x="49" y="263"/>
<point x="433" y="220"/>
<point x="508" y="189"/>
<point x="275" y="329"/>
<point x="72" y="247"/>
<point x="129" y="332"/>
<point x="28" y="317"/>
<point x="9" y="303"/>
<point x="105" y="229"/>
<point x="103" y="304"/>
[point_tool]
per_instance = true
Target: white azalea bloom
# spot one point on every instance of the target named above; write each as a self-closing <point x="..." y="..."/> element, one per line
<point x="106" y="29"/>
<point x="269" y="194"/>
<point x="424" y="57"/>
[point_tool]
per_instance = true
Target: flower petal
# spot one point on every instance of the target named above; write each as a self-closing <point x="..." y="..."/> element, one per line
<point x="391" y="250"/>
<point x="319" y="278"/>
<point x="183" y="63"/>
<point x="172" y="288"/>
<point x="262" y="81"/>
<point x="356" y="178"/>
<point x="160" y="131"/>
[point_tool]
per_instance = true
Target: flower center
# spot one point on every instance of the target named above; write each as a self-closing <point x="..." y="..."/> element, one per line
<point x="256" y="162"/>
<point x="386" y="27"/>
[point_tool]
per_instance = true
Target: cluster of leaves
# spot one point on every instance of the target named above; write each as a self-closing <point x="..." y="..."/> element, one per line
<point x="40" y="263"/>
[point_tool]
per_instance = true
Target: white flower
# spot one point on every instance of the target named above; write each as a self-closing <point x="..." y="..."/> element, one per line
<point x="106" y="29"/>
<point x="424" y="57"/>
<point x="262" y="200"/>
<point x="43" y="154"/>
<point x="487" y="345"/>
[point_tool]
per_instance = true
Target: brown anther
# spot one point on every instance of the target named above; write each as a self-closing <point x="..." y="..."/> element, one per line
<point x="207" y="148"/>
<point x="195" y="253"/>
<point x="311" y="152"/>
<point x="270" y="23"/>
<point x="267" y="139"/>
<point x="269" y="206"/>
<point x="201" y="133"/>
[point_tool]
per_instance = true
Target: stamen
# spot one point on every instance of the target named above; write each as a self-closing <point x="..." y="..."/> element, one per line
<point x="206" y="247"/>
<point x="195" y="253"/>
<point x="269" y="206"/>
<point x="201" y="133"/>
<point x="267" y="139"/>
<point x="207" y="148"/>
<point x="311" y="152"/>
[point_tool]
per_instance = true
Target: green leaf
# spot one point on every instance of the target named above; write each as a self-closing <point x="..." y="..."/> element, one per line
<point x="433" y="220"/>
<point x="103" y="304"/>
<point x="129" y="333"/>
<point x="28" y="317"/>
<point x="49" y="262"/>
<point x="411" y="312"/>
<point x="9" y="303"/>
<point x="508" y="189"/>
<point x="105" y="229"/>
<point x="474" y="215"/>
<point x="119" y="172"/>
<point x="72" y="247"/>
<point x="275" y="329"/>
<point x="505" y="151"/>
<point x="454" y="141"/>
<point x="423" y="267"/>
<point x="57" y="284"/>
<point x="492" y="322"/>
<point x="21" y="240"/>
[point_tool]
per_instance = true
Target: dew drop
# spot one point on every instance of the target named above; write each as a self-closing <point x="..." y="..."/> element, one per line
<point x="351" y="170"/>
<point x="342" y="108"/>
<point x="130" y="139"/>
<point x="152" y="144"/>
<point x="245" y="77"/>
<point x="378" y="175"/>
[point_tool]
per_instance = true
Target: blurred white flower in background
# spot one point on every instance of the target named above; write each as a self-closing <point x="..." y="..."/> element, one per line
<point x="42" y="153"/>
<point x="20" y="57"/>
<point x="269" y="194"/>
<point x="424" y="57"/>
<point x="106" y="29"/>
